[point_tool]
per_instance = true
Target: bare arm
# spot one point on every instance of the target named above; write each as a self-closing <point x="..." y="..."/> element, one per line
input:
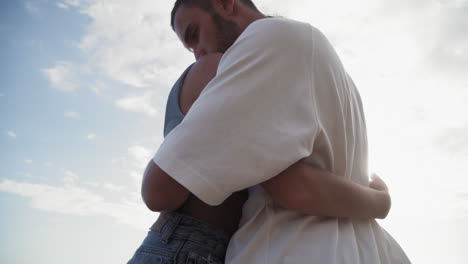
<point x="160" y="192"/>
<point x="313" y="191"/>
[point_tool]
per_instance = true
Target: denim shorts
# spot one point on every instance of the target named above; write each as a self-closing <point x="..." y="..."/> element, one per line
<point x="177" y="239"/>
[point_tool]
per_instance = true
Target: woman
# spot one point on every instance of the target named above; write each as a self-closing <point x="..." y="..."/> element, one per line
<point x="199" y="233"/>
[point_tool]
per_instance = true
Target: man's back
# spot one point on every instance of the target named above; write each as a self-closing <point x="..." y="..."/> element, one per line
<point x="271" y="234"/>
<point x="280" y="95"/>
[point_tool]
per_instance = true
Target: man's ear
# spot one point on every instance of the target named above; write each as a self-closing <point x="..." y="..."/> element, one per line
<point x="225" y="7"/>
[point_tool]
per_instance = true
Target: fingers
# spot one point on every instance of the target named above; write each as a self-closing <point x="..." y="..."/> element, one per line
<point x="377" y="183"/>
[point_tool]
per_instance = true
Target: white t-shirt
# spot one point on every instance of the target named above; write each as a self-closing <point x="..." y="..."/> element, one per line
<point x="280" y="94"/>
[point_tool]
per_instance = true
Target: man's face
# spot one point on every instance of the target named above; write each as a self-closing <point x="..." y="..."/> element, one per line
<point x="204" y="33"/>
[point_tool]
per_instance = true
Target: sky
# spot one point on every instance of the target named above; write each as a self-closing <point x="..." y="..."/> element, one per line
<point x="83" y="91"/>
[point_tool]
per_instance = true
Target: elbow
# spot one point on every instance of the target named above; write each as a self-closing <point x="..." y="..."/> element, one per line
<point x="301" y="201"/>
<point x="160" y="192"/>
<point x="154" y="207"/>
<point x="152" y="202"/>
<point x="293" y="187"/>
<point x="290" y="200"/>
<point x="285" y="197"/>
<point x="159" y="203"/>
<point x="158" y="198"/>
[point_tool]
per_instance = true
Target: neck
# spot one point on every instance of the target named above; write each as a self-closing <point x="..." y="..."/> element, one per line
<point x="249" y="17"/>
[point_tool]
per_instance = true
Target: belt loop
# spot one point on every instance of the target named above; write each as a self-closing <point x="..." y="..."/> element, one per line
<point x="169" y="228"/>
<point x="162" y="220"/>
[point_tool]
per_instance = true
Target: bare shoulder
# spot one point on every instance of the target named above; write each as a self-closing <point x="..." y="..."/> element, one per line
<point x="197" y="78"/>
<point x="206" y="66"/>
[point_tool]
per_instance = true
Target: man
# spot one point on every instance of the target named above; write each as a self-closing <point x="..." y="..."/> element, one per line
<point x="280" y="95"/>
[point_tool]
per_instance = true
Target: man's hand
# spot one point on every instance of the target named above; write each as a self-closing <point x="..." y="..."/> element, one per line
<point x="383" y="199"/>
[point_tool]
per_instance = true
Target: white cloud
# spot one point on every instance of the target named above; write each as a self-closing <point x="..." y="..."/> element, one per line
<point x="11" y="134"/>
<point x="93" y="184"/>
<point x="32" y="7"/>
<point x="71" y="114"/>
<point x="62" y="5"/>
<point x="113" y="188"/>
<point x="137" y="176"/>
<point x="48" y="164"/>
<point x="63" y="76"/>
<point x="28" y="161"/>
<point x="24" y="174"/>
<point x="69" y="178"/>
<point x="106" y="186"/>
<point x="72" y="200"/>
<point x="91" y="136"/>
<point x="69" y="3"/>
<point x="98" y="87"/>
<point x="139" y="104"/>
<point x="69" y="173"/>
<point x="453" y="141"/>
<point x="139" y="50"/>
<point x="140" y="156"/>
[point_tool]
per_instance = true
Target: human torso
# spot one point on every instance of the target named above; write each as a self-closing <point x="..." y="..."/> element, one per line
<point x="271" y="234"/>
<point x="225" y="216"/>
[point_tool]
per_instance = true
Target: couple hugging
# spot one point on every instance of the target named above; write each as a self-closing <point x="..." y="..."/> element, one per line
<point x="265" y="152"/>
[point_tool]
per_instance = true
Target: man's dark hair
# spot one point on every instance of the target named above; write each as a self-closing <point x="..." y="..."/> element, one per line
<point x="202" y="4"/>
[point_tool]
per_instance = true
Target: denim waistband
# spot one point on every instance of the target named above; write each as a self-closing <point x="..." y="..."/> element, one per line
<point x="171" y="224"/>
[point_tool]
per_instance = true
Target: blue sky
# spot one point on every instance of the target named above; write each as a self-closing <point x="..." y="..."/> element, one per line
<point x="82" y="100"/>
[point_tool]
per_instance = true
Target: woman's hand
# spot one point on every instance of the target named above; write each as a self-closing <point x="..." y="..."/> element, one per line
<point x="382" y="197"/>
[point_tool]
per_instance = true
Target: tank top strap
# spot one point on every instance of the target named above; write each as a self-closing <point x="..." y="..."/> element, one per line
<point x="174" y="114"/>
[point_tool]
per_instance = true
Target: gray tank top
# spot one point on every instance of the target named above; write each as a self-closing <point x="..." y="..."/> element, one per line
<point x="173" y="113"/>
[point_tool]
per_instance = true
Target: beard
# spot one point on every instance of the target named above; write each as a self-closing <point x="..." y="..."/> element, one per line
<point x="226" y="32"/>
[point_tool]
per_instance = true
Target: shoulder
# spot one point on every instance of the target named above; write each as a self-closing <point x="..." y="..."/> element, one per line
<point x="206" y="65"/>
<point x="277" y="28"/>
<point x="199" y="75"/>
<point x="203" y="71"/>
<point x="279" y="25"/>
<point x="293" y="36"/>
<point x="278" y="34"/>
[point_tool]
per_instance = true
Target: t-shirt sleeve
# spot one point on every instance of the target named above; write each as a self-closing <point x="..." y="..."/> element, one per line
<point x="252" y="121"/>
